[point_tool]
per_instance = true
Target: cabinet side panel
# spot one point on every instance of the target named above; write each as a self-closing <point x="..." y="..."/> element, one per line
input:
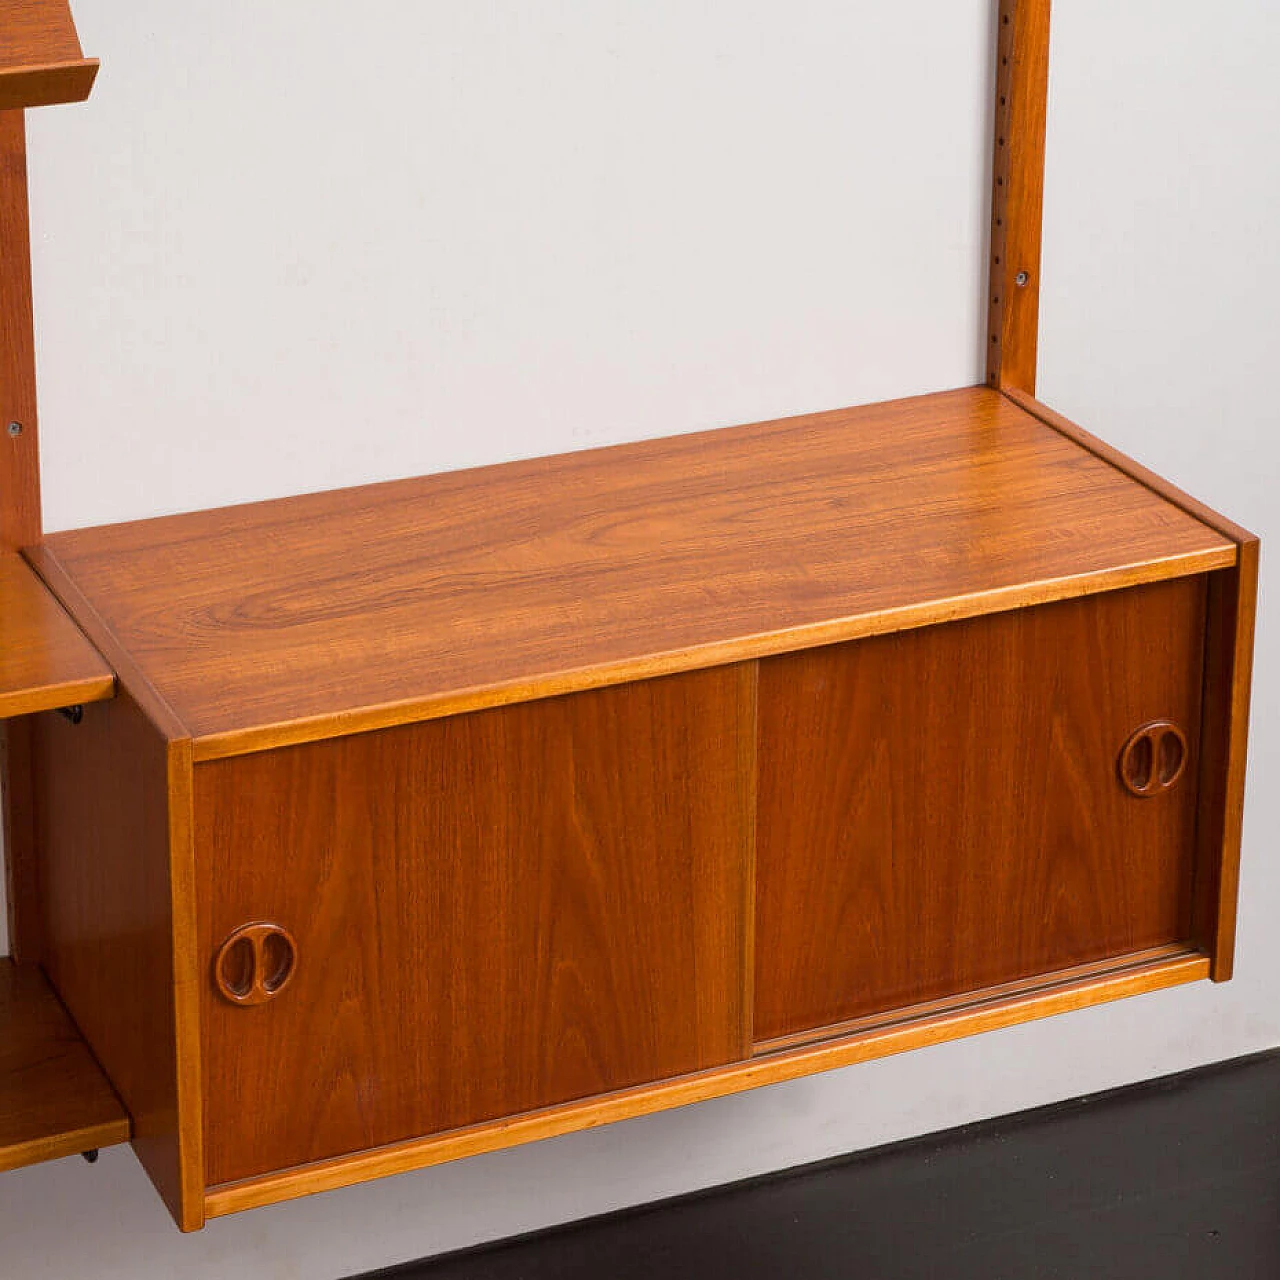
<point x="1228" y="674"/>
<point x="941" y="810"/>
<point x="103" y="823"/>
<point x="492" y="913"/>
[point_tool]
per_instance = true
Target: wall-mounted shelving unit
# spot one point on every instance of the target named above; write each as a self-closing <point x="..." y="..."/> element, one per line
<point x="420" y="819"/>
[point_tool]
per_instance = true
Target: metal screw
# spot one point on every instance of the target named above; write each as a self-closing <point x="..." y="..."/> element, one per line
<point x="15" y="428"/>
<point x="1021" y="279"/>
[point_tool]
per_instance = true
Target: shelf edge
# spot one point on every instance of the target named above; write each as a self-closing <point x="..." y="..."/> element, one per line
<point x="47" y="84"/>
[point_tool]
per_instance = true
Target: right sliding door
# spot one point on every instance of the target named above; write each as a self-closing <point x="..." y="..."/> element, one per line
<point x="955" y="807"/>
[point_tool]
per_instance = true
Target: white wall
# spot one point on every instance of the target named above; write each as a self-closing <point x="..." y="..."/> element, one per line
<point x="286" y="249"/>
<point x="271" y="260"/>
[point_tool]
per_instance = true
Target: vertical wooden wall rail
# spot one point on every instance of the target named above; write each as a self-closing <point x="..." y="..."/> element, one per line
<point x="20" y="522"/>
<point x="1017" y="202"/>
<point x="19" y="455"/>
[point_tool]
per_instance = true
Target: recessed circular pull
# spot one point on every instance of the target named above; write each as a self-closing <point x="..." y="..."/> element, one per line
<point x="1153" y="758"/>
<point x="255" y="963"/>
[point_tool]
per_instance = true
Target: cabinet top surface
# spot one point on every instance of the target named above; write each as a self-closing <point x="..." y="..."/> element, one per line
<point x="307" y="617"/>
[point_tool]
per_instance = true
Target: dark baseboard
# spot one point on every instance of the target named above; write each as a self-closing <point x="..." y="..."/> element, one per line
<point x="1176" y="1178"/>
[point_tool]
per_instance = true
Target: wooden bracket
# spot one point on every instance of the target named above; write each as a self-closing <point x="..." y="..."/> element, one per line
<point x="1017" y="201"/>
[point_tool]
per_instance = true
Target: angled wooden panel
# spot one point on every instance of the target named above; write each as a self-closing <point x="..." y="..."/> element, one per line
<point x="941" y="810"/>
<point x="41" y="61"/>
<point x="54" y="1099"/>
<point x="45" y="659"/>
<point x="490" y="913"/>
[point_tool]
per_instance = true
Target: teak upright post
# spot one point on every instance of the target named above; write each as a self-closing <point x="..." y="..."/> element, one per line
<point x="20" y="523"/>
<point x="20" y="519"/>
<point x="1017" y="193"/>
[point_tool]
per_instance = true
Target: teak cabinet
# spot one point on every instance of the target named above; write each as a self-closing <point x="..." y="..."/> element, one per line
<point x="438" y="815"/>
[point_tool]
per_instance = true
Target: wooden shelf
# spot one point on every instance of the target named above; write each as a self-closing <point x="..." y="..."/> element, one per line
<point x="41" y="61"/>
<point x="54" y="1099"/>
<point x="45" y="661"/>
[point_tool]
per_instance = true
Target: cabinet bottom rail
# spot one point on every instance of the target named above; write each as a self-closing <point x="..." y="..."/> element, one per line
<point x="773" y="1061"/>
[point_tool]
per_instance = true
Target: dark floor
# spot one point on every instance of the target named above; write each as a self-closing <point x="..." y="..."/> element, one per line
<point x="1178" y="1179"/>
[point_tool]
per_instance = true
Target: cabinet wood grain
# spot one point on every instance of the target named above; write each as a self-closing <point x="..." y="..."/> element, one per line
<point x="490" y="914"/>
<point x="309" y="617"/>
<point x="940" y="810"/>
<point x="1232" y="608"/>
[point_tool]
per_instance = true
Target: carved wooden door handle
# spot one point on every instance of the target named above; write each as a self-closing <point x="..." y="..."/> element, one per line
<point x="255" y="963"/>
<point x="1153" y="758"/>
